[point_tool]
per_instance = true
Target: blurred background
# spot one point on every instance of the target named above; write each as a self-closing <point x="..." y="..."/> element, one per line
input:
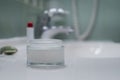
<point x="14" y="15"/>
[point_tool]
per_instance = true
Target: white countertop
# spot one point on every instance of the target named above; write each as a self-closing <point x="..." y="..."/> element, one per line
<point x="14" y="68"/>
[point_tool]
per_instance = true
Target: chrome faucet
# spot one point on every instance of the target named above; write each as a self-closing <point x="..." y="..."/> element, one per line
<point x="44" y="29"/>
<point x="42" y="23"/>
<point x="51" y="33"/>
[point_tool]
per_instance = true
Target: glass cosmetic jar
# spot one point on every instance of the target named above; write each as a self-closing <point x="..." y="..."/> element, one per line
<point x="45" y="53"/>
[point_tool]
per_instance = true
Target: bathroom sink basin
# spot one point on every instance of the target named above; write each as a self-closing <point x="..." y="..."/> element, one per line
<point x="94" y="49"/>
<point x="94" y="60"/>
<point x="83" y="61"/>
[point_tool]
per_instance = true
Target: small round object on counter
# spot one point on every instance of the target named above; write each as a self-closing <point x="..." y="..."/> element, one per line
<point x="8" y="50"/>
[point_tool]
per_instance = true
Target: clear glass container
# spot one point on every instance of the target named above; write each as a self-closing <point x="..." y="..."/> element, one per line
<point x="45" y="53"/>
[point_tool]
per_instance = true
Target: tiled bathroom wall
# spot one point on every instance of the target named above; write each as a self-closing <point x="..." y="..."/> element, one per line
<point x="13" y="18"/>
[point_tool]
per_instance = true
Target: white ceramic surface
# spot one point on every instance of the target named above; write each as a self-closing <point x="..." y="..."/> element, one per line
<point x="94" y="49"/>
<point x="84" y="61"/>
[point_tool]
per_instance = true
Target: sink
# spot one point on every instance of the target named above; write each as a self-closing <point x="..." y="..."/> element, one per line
<point x="94" y="60"/>
<point x="83" y="61"/>
<point x="94" y="49"/>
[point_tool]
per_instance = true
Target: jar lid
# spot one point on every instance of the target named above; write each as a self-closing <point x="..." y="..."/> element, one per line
<point x="45" y="43"/>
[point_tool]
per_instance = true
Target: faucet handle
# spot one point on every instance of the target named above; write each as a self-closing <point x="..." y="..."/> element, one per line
<point x="54" y="11"/>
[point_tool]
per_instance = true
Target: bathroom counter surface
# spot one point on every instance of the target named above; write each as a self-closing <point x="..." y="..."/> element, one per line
<point x="14" y="68"/>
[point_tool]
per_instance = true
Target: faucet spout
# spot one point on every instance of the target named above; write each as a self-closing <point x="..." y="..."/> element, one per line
<point x="52" y="32"/>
